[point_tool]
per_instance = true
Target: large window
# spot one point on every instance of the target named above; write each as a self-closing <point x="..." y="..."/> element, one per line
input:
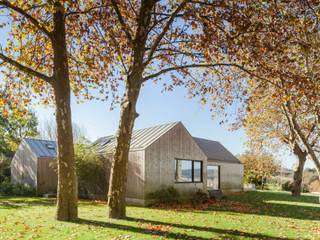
<point x="188" y="171"/>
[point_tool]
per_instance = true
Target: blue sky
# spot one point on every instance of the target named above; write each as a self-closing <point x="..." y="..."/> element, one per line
<point x="155" y="108"/>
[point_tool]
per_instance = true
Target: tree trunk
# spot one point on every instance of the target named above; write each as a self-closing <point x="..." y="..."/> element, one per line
<point x="303" y="138"/>
<point x="118" y="176"/>
<point x="298" y="171"/>
<point x="67" y="195"/>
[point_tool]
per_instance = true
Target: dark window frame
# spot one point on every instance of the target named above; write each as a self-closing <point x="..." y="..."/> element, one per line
<point x="192" y="170"/>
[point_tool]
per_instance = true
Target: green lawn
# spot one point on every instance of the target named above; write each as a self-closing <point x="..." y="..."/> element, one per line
<point x="257" y="215"/>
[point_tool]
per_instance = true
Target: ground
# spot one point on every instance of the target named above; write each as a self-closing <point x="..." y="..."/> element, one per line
<point x="255" y="215"/>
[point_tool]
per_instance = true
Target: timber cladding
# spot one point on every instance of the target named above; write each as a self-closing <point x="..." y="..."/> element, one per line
<point x="47" y="175"/>
<point x="160" y="160"/>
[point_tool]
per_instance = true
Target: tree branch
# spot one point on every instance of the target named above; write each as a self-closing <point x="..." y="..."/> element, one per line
<point x="84" y="11"/>
<point x="26" y="69"/>
<point x="166" y="70"/>
<point x="34" y="21"/>
<point x="164" y="31"/>
<point x="121" y="20"/>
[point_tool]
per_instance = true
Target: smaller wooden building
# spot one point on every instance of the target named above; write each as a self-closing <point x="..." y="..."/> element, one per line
<point x="34" y="164"/>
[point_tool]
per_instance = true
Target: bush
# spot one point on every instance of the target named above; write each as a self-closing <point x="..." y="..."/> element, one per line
<point x="92" y="171"/>
<point x="165" y="195"/>
<point x="199" y="197"/>
<point x="9" y="189"/>
<point x="305" y="188"/>
<point x="5" y="171"/>
<point x="287" y="186"/>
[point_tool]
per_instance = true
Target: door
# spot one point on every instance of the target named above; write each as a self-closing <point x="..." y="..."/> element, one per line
<point x="213" y="177"/>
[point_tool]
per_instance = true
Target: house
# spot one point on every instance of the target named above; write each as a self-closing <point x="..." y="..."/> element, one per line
<point x="34" y="164"/>
<point x="167" y="155"/>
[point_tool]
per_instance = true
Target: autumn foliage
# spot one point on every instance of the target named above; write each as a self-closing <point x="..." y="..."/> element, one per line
<point x="258" y="168"/>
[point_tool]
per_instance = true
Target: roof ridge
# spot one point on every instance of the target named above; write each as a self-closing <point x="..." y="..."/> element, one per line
<point x="158" y="125"/>
<point x="38" y="139"/>
<point x="141" y="138"/>
<point x="140" y="129"/>
<point x="207" y="139"/>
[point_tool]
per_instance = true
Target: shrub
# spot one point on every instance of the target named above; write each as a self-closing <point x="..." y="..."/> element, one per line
<point x="287" y="186"/>
<point x="9" y="189"/>
<point x="92" y="171"/>
<point x="165" y="195"/>
<point x="4" y="167"/>
<point x="305" y="188"/>
<point x="199" y="197"/>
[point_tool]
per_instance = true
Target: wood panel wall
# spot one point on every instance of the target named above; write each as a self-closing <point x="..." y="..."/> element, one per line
<point x="160" y="157"/>
<point x="47" y="175"/>
<point x="24" y="166"/>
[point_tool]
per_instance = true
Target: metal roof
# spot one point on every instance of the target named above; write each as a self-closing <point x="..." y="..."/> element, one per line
<point x="42" y="148"/>
<point x="215" y="151"/>
<point x="141" y="138"/>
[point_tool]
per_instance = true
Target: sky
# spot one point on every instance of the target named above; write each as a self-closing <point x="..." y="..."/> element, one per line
<point x="155" y="107"/>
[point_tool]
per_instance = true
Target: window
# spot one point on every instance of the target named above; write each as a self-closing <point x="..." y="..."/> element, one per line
<point x="50" y="146"/>
<point x="188" y="171"/>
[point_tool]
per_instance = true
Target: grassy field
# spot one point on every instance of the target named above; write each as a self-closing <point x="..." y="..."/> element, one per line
<point x="257" y="215"/>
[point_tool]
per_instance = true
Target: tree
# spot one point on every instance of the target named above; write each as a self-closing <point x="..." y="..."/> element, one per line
<point x="13" y="128"/>
<point x="43" y="52"/>
<point x="278" y="43"/>
<point x="268" y="126"/>
<point x="149" y="40"/>
<point x="48" y="131"/>
<point x="258" y="167"/>
<point x="282" y="47"/>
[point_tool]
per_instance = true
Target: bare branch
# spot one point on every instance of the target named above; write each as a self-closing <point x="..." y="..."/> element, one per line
<point x="121" y="20"/>
<point x="26" y="69"/>
<point x="164" y="31"/>
<point x="166" y="70"/>
<point x="23" y="12"/>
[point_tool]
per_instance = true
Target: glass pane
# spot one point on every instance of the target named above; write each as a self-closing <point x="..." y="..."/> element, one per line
<point x="213" y="177"/>
<point x="197" y="171"/>
<point x="183" y="171"/>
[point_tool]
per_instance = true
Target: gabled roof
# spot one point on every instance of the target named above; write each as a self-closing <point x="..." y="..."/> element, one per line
<point x="216" y="151"/>
<point x="42" y="148"/>
<point x="141" y="138"/>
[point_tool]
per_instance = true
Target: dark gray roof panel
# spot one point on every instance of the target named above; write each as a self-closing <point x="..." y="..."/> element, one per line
<point x="42" y="148"/>
<point x="215" y="151"/>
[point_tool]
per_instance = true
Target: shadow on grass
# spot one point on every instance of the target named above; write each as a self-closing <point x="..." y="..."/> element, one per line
<point x="7" y="202"/>
<point x="227" y="234"/>
<point x="275" y="204"/>
<point x="22" y="202"/>
<point x="279" y="204"/>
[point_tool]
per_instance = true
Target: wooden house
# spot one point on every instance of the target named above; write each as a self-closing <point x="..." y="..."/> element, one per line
<point x="164" y="155"/>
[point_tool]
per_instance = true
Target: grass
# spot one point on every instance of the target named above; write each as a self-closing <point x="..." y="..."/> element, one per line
<point x="255" y="215"/>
